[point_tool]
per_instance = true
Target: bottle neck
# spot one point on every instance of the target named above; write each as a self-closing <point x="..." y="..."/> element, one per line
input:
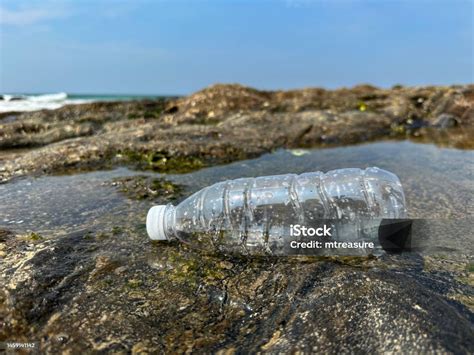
<point x="169" y="222"/>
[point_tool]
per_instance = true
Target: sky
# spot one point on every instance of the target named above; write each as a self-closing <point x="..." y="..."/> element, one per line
<point x="177" y="47"/>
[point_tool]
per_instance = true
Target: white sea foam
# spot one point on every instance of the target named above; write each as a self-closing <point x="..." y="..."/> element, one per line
<point x="20" y="103"/>
<point x="61" y="96"/>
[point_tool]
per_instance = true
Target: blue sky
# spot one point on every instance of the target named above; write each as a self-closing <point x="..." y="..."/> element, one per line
<point x="177" y="47"/>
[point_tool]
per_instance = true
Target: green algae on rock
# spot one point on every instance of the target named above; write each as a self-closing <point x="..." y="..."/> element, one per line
<point x="162" y="162"/>
<point x="35" y="236"/>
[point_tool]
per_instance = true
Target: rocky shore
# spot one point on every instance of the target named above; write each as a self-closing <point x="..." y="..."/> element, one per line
<point x="110" y="289"/>
<point x="225" y="123"/>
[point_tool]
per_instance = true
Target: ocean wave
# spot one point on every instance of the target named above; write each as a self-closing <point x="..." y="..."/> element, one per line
<point x="61" y="96"/>
<point x="20" y="103"/>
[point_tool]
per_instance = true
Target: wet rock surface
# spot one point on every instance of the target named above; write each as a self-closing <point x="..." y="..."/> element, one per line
<point x="145" y="187"/>
<point x="78" y="286"/>
<point x="110" y="291"/>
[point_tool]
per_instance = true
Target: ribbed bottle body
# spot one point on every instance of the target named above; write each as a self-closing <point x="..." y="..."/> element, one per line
<point x="255" y="215"/>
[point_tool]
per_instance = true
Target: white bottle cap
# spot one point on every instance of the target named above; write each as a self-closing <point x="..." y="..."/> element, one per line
<point x="155" y="222"/>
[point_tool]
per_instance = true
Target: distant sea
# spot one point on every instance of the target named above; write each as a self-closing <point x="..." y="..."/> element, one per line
<point x="33" y="102"/>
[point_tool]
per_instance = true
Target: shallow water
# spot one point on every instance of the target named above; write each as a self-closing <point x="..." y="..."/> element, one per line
<point x="55" y="205"/>
<point x="438" y="184"/>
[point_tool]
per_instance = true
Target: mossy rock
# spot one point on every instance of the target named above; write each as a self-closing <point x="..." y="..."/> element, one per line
<point x="163" y="162"/>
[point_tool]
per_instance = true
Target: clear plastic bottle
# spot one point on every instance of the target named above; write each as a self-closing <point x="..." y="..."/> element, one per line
<point x="256" y="215"/>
